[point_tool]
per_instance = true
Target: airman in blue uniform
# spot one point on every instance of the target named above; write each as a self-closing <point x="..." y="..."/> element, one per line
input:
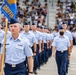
<point x="69" y="35"/>
<point x="45" y="41"/>
<point x="31" y="37"/>
<point x="50" y="38"/>
<point x="17" y="49"/>
<point x="39" y="29"/>
<point x="38" y="42"/>
<point x="61" y="49"/>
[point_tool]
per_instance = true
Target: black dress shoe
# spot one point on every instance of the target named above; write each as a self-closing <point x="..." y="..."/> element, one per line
<point x="35" y="72"/>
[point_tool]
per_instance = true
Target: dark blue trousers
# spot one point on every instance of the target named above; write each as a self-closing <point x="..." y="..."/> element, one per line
<point x="67" y="65"/>
<point x="35" y="58"/>
<point x="45" y="52"/>
<point x="42" y="58"/>
<point x="20" y="69"/>
<point x="39" y="59"/>
<point x="61" y="60"/>
<point x="50" y="52"/>
<point x="35" y="62"/>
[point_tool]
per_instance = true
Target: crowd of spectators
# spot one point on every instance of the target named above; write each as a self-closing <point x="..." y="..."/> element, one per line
<point x="67" y="15"/>
<point x="34" y="11"/>
<point x="31" y="11"/>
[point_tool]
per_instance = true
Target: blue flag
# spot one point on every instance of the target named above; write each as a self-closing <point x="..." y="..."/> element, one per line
<point x="9" y="9"/>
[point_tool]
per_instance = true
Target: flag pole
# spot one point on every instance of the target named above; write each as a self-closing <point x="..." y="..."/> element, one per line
<point x="4" y="49"/>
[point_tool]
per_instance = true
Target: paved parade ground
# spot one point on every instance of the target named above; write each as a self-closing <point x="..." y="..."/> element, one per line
<point x="51" y="69"/>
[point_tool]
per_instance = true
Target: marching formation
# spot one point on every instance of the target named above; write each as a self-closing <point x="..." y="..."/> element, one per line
<point x="36" y="42"/>
<point x="28" y="43"/>
<point x="28" y="49"/>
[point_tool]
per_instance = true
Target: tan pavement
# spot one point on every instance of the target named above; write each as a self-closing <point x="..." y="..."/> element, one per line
<point x="51" y="69"/>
